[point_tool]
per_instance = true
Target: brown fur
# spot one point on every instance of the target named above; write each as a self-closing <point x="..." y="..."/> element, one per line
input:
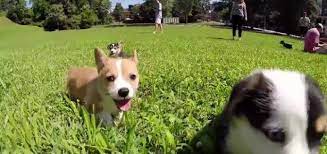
<point x="321" y="124"/>
<point x="89" y="85"/>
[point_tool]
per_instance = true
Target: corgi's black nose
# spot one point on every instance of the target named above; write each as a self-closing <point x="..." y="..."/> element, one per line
<point x="123" y="92"/>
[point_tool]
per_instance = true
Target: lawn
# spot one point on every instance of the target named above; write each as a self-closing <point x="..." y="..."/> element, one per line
<point x="186" y="77"/>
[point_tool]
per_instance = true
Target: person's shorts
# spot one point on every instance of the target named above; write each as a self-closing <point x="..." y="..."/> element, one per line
<point x="158" y="20"/>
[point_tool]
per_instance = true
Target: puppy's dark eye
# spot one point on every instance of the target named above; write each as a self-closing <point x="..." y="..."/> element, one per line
<point x="111" y="78"/>
<point x="276" y="135"/>
<point x="132" y="76"/>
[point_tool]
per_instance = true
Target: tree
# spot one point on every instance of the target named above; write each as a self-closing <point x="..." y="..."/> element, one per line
<point x="88" y="17"/>
<point x="290" y="12"/>
<point x="312" y="8"/>
<point x="81" y="3"/>
<point x="185" y="8"/>
<point x="56" y="18"/>
<point x="74" y="22"/>
<point x="19" y="13"/>
<point x="167" y="6"/>
<point x="135" y="12"/>
<point x="102" y="10"/>
<point x="221" y="10"/>
<point x="200" y="9"/>
<point x="147" y="11"/>
<point x="4" y="5"/>
<point x="59" y="14"/>
<point x="118" y="12"/>
<point x="280" y="15"/>
<point x="40" y="10"/>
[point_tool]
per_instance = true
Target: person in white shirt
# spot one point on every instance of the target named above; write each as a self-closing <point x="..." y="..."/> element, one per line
<point x="158" y="24"/>
<point x="304" y="24"/>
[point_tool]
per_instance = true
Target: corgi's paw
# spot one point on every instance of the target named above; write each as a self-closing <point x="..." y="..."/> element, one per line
<point x="105" y="118"/>
<point x="118" y="118"/>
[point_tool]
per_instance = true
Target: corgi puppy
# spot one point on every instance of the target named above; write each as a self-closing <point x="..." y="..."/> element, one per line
<point x="108" y="89"/>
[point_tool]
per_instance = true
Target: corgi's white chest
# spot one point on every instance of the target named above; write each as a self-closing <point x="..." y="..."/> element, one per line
<point x="109" y="105"/>
<point x="110" y="113"/>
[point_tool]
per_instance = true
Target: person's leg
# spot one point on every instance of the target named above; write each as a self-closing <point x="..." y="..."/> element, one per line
<point x="305" y="31"/>
<point x="301" y="31"/>
<point x="157" y="25"/>
<point x="161" y="27"/>
<point x="240" y="25"/>
<point x="159" y="22"/>
<point x="155" y="28"/>
<point x="234" y="25"/>
<point x="322" y="50"/>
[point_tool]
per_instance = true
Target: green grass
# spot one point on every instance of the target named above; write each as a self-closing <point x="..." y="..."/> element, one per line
<point x="186" y="78"/>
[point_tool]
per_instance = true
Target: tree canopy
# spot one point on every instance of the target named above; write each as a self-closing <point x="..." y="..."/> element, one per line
<point x="278" y="15"/>
<point x="58" y="14"/>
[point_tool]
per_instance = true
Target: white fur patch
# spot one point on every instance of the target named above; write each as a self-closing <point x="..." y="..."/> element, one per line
<point x="244" y="139"/>
<point x="290" y="103"/>
<point x="120" y="82"/>
<point x="113" y="51"/>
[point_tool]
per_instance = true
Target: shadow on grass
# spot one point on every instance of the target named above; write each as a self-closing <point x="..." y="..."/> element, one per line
<point x="130" y="25"/>
<point x="209" y="140"/>
<point x="220" y="38"/>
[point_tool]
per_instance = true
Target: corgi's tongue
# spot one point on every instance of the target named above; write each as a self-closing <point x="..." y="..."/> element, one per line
<point x="124" y="105"/>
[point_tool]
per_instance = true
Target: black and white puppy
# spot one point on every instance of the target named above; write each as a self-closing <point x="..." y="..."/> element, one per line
<point x="116" y="49"/>
<point x="286" y="45"/>
<point x="272" y="112"/>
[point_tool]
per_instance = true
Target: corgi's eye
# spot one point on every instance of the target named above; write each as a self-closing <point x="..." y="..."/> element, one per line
<point x="132" y="76"/>
<point x="111" y="78"/>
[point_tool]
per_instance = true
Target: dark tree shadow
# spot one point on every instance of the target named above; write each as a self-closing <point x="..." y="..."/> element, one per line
<point x="130" y="25"/>
<point x="220" y="38"/>
<point x="209" y="139"/>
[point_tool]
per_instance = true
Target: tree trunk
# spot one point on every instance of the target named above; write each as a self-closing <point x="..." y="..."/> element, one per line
<point x="186" y="18"/>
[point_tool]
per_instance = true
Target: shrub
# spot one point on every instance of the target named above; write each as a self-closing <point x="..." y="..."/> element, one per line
<point x="74" y="22"/>
<point x="2" y="13"/>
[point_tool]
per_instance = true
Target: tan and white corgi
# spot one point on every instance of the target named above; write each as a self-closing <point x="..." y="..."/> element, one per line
<point x="108" y="89"/>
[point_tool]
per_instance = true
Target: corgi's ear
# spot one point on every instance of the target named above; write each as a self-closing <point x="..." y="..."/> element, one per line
<point x="321" y="124"/>
<point x="134" y="58"/>
<point x="120" y="44"/>
<point x="100" y="58"/>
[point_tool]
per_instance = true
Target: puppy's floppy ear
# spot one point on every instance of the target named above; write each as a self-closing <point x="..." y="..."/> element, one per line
<point x="100" y="58"/>
<point x="134" y="57"/>
<point x="258" y="81"/>
<point x="321" y="124"/>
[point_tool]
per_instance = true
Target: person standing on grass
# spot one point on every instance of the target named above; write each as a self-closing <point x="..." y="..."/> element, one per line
<point x="238" y="16"/>
<point x="312" y="42"/>
<point x="304" y="23"/>
<point x="158" y="24"/>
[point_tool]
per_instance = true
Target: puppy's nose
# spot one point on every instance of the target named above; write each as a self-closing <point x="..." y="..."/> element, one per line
<point x="123" y="92"/>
